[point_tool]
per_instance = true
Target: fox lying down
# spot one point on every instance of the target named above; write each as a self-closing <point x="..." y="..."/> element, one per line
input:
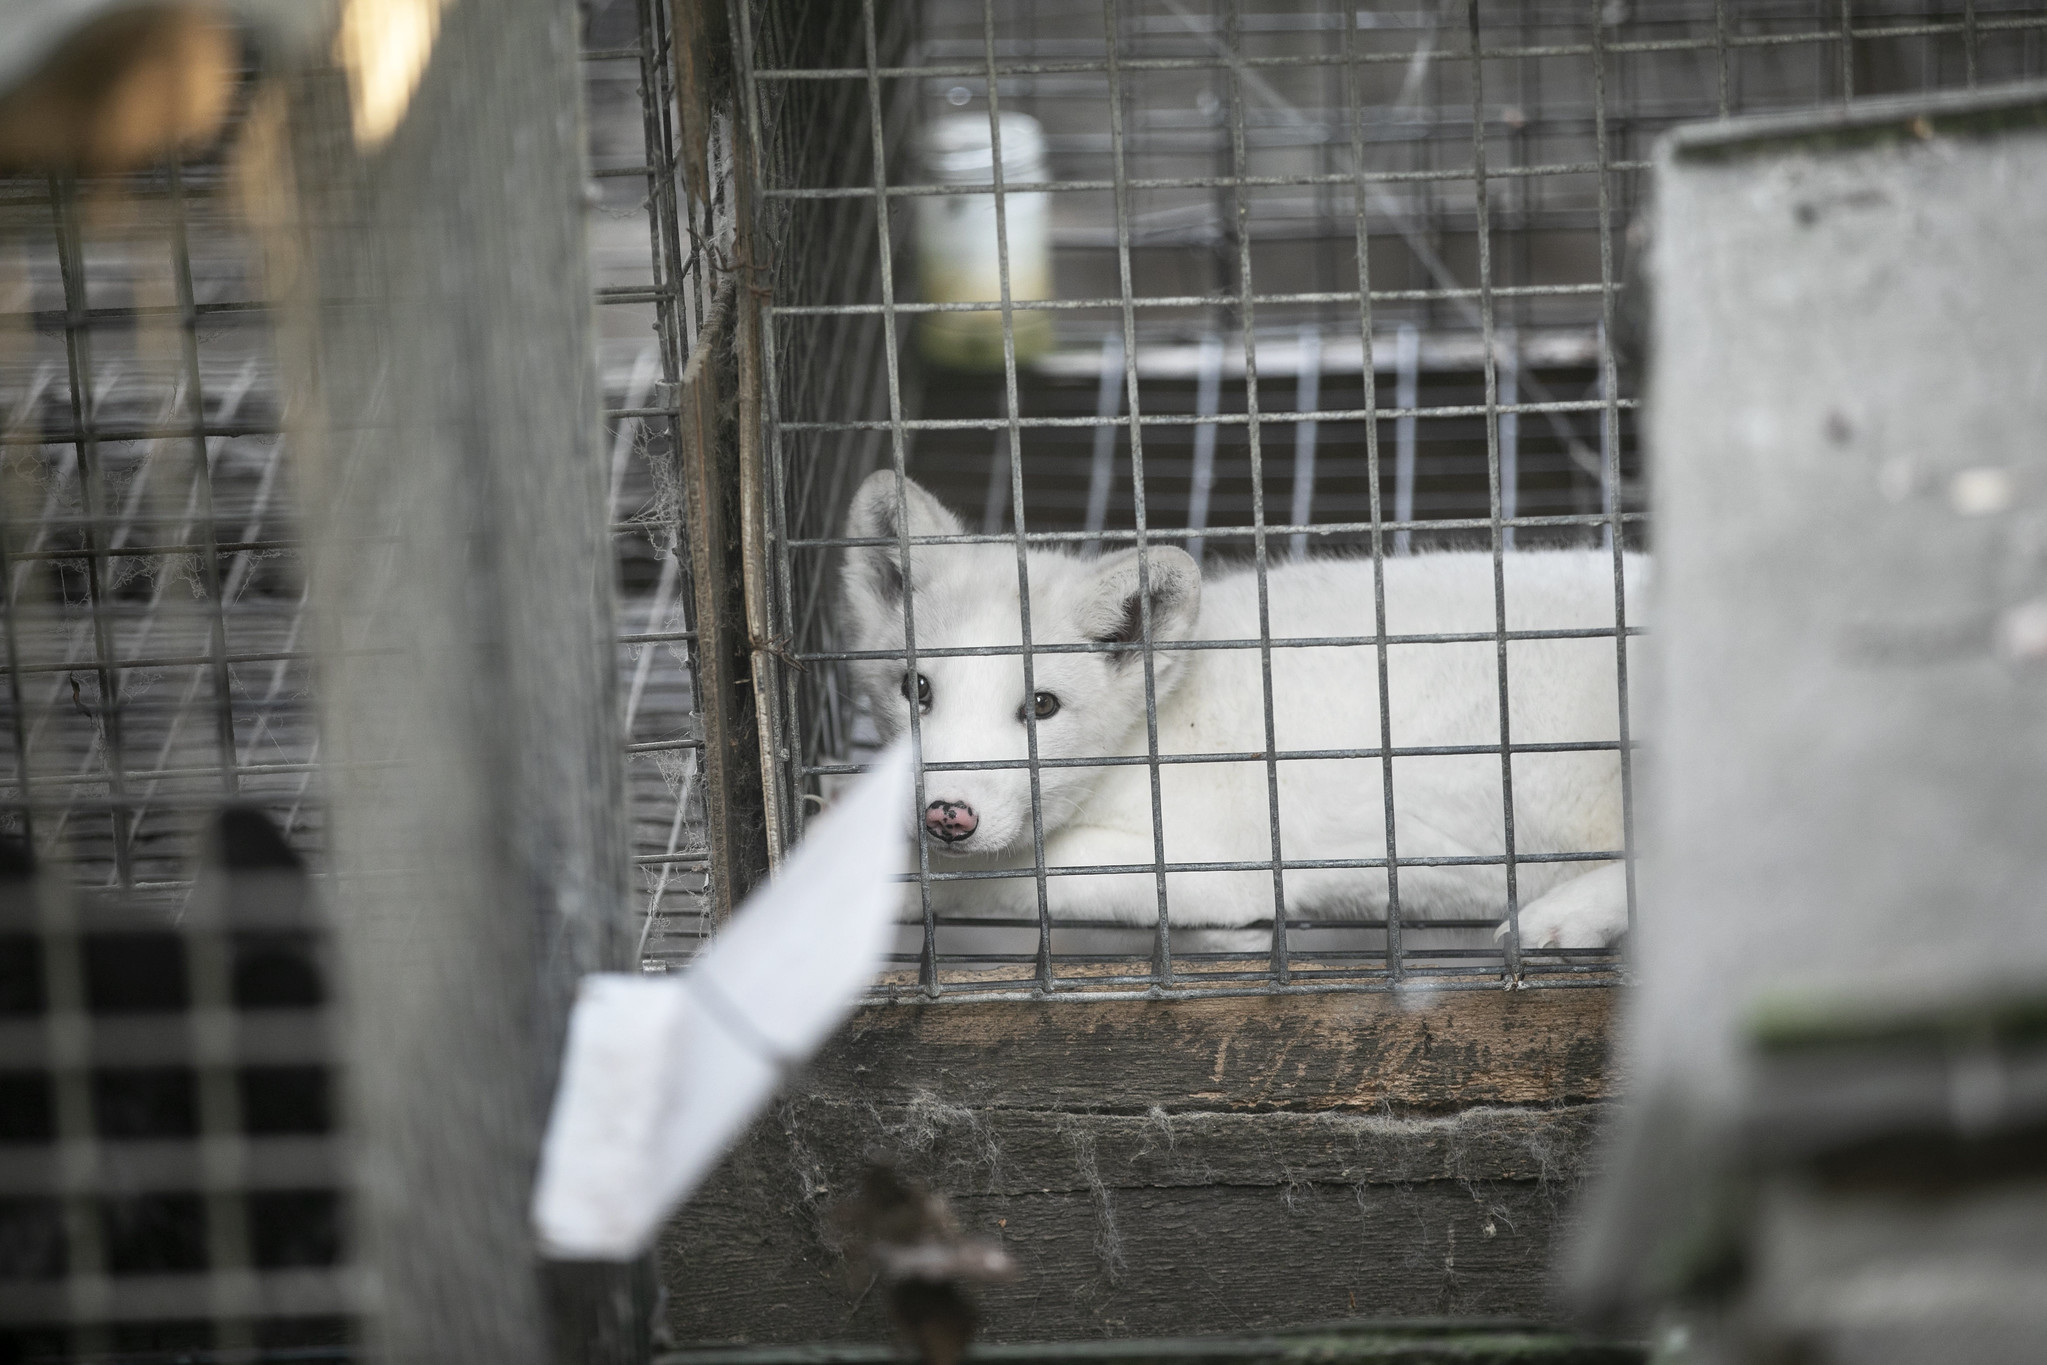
<point x="1441" y="696"/>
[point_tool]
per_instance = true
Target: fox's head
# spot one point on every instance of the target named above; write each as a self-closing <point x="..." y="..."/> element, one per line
<point x="974" y="708"/>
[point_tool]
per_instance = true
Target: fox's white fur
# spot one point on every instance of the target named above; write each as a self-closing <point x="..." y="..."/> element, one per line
<point x="1561" y="691"/>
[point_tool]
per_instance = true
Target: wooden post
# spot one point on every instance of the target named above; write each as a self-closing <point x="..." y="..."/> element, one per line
<point x="438" y="349"/>
<point x="727" y="696"/>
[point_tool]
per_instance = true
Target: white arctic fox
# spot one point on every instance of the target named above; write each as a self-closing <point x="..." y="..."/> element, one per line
<point x="1210" y="701"/>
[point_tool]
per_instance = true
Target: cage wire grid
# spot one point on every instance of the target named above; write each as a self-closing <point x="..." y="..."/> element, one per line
<point x="1459" y="226"/>
<point x="156" y="652"/>
<point x="159" y="664"/>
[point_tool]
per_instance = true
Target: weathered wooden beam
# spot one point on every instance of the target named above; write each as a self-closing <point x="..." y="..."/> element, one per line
<point x="727" y="698"/>
<point x="1460" y="1048"/>
<point x="1213" y="1165"/>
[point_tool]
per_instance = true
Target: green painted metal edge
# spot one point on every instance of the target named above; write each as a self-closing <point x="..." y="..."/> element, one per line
<point x="1476" y="1342"/>
<point x="1901" y="121"/>
<point x="1791" y="1022"/>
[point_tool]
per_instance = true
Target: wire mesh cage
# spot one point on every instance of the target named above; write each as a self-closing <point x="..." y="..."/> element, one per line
<point x="161" y="664"/>
<point x="158" y="657"/>
<point x="173" y="1178"/>
<point x="1332" y="300"/>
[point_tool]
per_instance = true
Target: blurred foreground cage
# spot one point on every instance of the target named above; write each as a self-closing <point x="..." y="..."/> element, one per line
<point x="158" y="656"/>
<point x="1837" y="1149"/>
<point x="1324" y="283"/>
<point x="165" y="654"/>
<point x="171" y="1176"/>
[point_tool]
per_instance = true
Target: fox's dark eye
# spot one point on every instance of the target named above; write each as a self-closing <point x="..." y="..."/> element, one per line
<point x="1044" y="704"/>
<point x="923" y="693"/>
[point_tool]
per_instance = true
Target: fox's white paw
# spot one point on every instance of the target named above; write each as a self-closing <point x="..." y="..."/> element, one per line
<point x="1587" y="912"/>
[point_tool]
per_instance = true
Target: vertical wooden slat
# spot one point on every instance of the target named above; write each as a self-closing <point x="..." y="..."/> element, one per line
<point x="726" y="693"/>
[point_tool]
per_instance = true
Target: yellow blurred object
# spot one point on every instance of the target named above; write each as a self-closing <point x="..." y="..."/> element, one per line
<point x="384" y="45"/>
<point x="964" y="249"/>
<point x="123" y="91"/>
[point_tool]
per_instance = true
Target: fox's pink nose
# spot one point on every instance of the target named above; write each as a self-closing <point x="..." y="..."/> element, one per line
<point x="949" y="820"/>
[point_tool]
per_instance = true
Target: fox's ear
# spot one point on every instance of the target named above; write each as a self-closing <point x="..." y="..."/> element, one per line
<point x="877" y="513"/>
<point x="1113" y="613"/>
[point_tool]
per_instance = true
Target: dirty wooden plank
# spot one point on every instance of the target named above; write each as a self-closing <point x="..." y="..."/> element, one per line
<point x="1246" y="1221"/>
<point x="1457" y="1049"/>
<point x="1249" y="1163"/>
<point x="999" y="1152"/>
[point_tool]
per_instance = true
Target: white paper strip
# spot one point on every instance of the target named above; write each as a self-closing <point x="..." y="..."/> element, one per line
<point x="660" y="1074"/>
